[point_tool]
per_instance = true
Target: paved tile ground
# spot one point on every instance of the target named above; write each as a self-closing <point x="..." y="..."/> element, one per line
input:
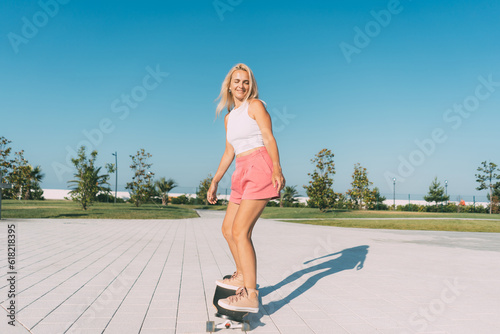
<point x="158" y="276"/>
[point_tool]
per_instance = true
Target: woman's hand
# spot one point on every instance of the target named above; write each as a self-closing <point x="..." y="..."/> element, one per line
<point x="212" y="193"/>
<point x="278" y="179"/>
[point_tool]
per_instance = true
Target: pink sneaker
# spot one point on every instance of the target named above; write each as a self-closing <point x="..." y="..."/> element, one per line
<point x="241" y="302"/>
<point x="233" y="283"/>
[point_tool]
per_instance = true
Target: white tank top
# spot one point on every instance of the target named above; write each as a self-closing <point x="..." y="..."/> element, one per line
<point x="243" y="132"/>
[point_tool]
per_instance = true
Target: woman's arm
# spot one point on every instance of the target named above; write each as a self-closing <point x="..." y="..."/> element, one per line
<point x="225" y="162"/>
<point x="257" y="111"/>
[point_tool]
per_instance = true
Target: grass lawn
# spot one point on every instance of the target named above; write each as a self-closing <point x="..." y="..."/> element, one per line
<point x="70" y="209"/>
<point x="275" y="212"/>
<point x="401" y="224"/>
<point x="399" y="220"/>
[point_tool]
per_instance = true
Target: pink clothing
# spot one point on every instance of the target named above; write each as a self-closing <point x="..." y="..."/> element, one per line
<point x="252" y="177"/>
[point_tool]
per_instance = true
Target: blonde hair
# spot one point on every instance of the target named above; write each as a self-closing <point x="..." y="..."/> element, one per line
<point x="226" y="97"/>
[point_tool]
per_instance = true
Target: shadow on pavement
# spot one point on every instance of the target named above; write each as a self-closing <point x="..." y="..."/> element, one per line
<point x="348" y="258"/>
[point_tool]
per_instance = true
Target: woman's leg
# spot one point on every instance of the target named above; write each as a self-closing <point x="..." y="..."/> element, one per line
<point x="244" y="221"/>
<point x="246" y="298"/>
<point x="227" y="232"/>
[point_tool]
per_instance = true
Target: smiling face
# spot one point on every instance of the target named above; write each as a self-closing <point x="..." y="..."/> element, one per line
<point x="239" y="85"/>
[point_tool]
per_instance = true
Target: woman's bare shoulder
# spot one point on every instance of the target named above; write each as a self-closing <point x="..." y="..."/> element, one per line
<point x="257" y="103"/>
<point x="256" y="106"/>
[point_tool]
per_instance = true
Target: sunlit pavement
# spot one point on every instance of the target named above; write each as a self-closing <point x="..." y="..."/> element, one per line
<point x="158" y="276"/>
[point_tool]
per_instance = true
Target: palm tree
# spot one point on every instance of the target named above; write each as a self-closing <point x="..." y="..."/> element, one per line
<point x="33" y="190"/>
<point x="288" y="196"/>
<point x="164" y="186"/>
<point x="87" y="184"/>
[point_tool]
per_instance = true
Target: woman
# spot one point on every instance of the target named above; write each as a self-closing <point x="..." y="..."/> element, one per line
<point x="256" y="179"/>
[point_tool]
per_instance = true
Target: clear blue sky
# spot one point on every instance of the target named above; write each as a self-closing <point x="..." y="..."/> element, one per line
<point x="366" y="79"/>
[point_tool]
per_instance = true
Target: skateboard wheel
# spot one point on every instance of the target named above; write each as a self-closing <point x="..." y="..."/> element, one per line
<point x="210" y="326"/>
<point x="245" y="326"/>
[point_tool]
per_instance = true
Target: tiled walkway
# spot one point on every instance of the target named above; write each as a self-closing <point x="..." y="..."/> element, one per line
<point x="158" y="276"/>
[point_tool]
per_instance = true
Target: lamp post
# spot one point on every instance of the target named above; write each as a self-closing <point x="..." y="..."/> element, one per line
<point x="394" y="192"/>
<point x="116" y="174"/>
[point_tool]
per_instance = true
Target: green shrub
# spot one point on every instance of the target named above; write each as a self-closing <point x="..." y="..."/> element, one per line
<point x="479" y="209"/>
<point x="182" y="199"/>
<point x="377" y="206"/>
<point x="410" y="207"/>
<point x="451" y="207"/>
<point x="108" y="198"/>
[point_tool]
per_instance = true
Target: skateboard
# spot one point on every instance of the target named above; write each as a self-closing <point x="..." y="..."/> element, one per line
<point x="232" y="319"/>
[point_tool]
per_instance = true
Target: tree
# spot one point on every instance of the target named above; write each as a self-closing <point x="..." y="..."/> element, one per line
<point x="18" y="176"/>
<point x="495" y="198"/>
<point x="288" y="196"/>
<point x="140" y="187"/>
<point x="377" y="202"/>
<point x="88" y="180"/>
<point x="360" y="187"/>
<point x="496" y="191"/>
<point x="436" y="193"/>
<point x="5" y="162"/>
<point x="201" y="194"/>
<point x="494" y="205"/>
<point x="164" y="186"/>
<point x="33" y="189"/>
<point x="488" y="179"/>
<point x="24" y="178"/>
<point x="319" y="190"/>
<point x="342" y="202"/>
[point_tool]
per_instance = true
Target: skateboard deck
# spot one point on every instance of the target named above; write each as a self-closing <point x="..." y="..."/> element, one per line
<point x="233" y="319"/>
